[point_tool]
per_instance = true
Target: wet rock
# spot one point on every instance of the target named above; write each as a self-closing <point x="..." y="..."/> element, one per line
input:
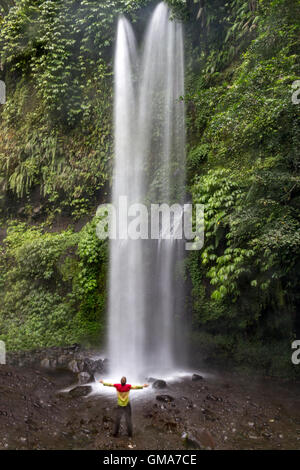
<point x="93" y="366"/>
<point x="53" y="363"/>
<point x="198" y="439"/>
<point x="150" y="380"/>
<point x="73" y="366"/>
<point x="159" y="384"/>
<point x="213" y="398"/>
<point x="62" y="360"/>
<point x="165" y="398"/>
<point x="80" y="365"/>
<point x="85" y="377"/>
<point x="190" y="441"/>
<point x="45" y="363"/>
<point x="196" y="377"/>
<point x="80" y="391"/>
<point x="98" y="365"/>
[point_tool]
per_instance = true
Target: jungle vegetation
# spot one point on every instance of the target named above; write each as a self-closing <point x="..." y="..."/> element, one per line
<point x="56" y="155"/>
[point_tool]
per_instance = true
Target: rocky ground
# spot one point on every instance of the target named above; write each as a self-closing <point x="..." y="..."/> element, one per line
<point x="217" y="411"/>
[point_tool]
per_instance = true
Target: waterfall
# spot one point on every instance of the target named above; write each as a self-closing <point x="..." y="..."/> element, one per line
<point x="145" y="289"/>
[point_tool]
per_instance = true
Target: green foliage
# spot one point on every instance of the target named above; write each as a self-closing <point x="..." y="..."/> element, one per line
<point x="5" y="6"/>
<point x="246" y="173"/>
<point x="53" y="287"/>
<point x="56" y="127"/>
<point x="61" y="46"/>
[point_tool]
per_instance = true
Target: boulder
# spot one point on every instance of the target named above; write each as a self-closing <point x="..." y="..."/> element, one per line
<point x="53" y="363"/>
<point x="62" y="360"/>
<point x="85" y="377"/>
<point x="45" y="363"/>
<point x="159" y="384"/>
<point x="92" y="366"/>
<point x="73" y="366"/>
<point x="190" y="441"/>
<point x="198" y="439"/>
<point x="80" y="365"/>
<point x="80" y="391"/>
<point x="98" y="365"/>
<point x="196" y="377"/>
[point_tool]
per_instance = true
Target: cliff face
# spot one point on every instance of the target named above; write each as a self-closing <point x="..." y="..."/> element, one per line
<point x="55" y="167"/>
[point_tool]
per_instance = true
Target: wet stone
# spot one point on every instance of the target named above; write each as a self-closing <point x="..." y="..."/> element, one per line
<point x="158" y="384"/>
<point x="80" y="391"/>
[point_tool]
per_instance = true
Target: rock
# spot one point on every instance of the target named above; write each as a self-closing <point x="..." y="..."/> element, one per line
<point x="88" y="365"/>
<point x="62" y="360"/>
<point x="98" y="365"/>
<point x="213" y="398"/>
<point x="73" y="366"/>
<point x="80" y="365"/>
<point x="45" y="363"/>
<point x="92" y="366"/>
<point x="53" y="363"/>
<point x="196" y="377"/>
<point x="164" y="398"/>
<point x="199" y="439"/>
<point x="80" y="391"/>
<point x="150" y="380"/>
<point x="190" y="441"/>
<point x="85" y="377"/>
<point x="159" y="384"/>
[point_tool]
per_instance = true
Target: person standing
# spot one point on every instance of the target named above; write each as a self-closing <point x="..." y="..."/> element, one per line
<point x="124" y="408"/>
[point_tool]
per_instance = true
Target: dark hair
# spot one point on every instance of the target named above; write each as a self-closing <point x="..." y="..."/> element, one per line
<point x="123" y="378"/>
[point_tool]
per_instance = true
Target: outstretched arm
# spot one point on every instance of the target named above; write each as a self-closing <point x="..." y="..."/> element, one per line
<point x="138" y="387"/>
<point x="106" y="384"/>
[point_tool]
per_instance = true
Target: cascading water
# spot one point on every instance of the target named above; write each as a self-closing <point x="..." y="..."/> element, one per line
<point x="145" y="295"/>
